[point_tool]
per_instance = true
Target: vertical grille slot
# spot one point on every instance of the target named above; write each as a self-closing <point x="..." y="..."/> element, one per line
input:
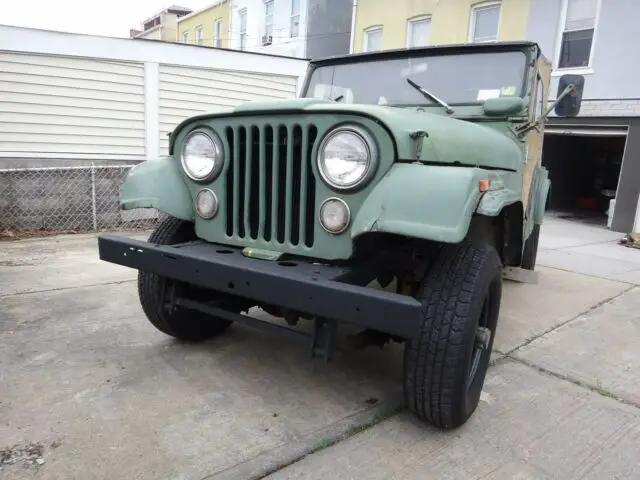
<point x="267" y="197"/>
<point x="281" y="183"/>
<point x="270" y="194"/>
<point x="307" y="214"/>
<point x="231" y="214"/>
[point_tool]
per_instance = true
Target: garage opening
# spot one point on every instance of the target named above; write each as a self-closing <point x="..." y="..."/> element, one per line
<point x="584" y="169"/>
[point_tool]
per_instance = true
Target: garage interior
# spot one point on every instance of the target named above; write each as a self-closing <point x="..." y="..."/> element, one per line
<point x="584" y="168"/>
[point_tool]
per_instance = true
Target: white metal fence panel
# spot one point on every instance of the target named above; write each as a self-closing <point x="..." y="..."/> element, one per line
<point x="189" y="91"/>
<point x="58" y="106"/>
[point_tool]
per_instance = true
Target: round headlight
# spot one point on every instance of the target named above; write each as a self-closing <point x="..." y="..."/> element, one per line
<point x="206" y="203"/>
<point x="334" y="215"/>
<point x="202" y="155"/>
<point x="347" y="158"/>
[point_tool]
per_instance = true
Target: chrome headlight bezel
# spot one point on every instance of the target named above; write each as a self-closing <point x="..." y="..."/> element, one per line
<point x="372" y="153"/>
<point x="346" y="210"/>
<point x="217" y="166"/>
<point x="216" y="203"/>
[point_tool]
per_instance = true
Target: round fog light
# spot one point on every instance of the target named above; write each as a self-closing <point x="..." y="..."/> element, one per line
<point x="206" y="203"/>
<point x="334" y="215"/>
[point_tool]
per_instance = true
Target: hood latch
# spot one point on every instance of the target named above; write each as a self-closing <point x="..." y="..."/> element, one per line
<point x="417" y="136"/>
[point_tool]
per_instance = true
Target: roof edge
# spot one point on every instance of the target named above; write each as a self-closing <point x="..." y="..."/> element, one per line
<point x="215" y="4"/>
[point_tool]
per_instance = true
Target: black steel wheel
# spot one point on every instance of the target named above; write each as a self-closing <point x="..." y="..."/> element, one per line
<point x="446" y="365"/>
<point x="181" y="323"/>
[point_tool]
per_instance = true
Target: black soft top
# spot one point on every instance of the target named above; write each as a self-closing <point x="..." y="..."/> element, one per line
<point x="429" y="50"/>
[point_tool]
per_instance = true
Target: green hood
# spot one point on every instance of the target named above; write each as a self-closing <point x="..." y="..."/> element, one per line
<point x="449" y="140"/>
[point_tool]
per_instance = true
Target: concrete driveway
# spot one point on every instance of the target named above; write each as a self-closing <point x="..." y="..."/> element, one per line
<point x="89" y="390"/>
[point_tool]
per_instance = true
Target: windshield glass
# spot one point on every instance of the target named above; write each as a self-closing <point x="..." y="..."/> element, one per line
<point x="460" y="78"/>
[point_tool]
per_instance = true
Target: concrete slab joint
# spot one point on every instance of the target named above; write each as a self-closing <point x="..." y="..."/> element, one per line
<point x="252" y="405"/>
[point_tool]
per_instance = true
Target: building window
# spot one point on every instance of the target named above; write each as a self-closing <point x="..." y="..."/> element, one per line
<point x="243" y="29"/>
<point x="217" y="33"/>
<point x="577" y="33"/>
<point x="485" y="20"/>
<point x="199" y="35"/>
<point x="372" y="41"/>
<point x="418" y="30"/>
<point x="268" y="22"/>
<point x="295" y="19"/>
<point x="185" y="37"/>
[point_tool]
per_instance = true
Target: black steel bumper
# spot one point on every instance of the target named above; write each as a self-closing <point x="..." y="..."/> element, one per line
<point x="329" y="292"/>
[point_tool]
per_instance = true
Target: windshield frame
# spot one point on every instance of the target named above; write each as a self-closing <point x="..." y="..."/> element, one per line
<point x="531" y="51"/>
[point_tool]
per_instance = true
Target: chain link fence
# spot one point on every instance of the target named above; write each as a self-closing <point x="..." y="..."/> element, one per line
<point x="79" y="198"/>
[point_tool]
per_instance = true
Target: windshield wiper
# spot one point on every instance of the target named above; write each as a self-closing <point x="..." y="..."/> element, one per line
<point x="429" y="95"/>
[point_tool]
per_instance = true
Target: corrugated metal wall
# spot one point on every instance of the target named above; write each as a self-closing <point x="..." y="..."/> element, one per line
<point x="189" y="91"/>
<point x="71" y="106"/>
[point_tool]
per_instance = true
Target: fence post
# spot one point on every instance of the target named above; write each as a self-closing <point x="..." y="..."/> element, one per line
<point x="93" y="197"/>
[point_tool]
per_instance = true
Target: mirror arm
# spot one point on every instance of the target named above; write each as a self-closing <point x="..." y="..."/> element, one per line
<point x="570" y="89"/>
<point x="528" y="126"/>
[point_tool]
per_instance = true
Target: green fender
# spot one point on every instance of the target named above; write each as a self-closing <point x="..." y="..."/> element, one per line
<point x="494" y="201"/>
<point x="158" y="184"/>
<point x="420" y="201"/>
<point x="541" y="204"/>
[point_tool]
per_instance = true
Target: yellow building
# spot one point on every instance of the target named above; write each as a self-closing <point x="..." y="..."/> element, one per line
<point x="209" y="26"/>
<point x="386" y="24"/>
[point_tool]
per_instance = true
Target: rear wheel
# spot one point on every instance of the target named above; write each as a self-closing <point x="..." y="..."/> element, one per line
<point x="153" y="289"/>
<point x="445" y="366"/>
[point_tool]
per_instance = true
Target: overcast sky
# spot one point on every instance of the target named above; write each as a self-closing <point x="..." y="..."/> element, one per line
<point x="111" y="18"/>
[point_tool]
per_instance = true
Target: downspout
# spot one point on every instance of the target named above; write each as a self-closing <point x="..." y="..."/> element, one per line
<point x="353" y="25"/>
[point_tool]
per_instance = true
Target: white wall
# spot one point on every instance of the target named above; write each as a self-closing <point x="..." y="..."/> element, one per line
<point x="282" y="44"/>
<point x="188" y="91"/>
<point x="70" y="106"/>
<point x="69" y="96"/>
<point x="154" y="33"/>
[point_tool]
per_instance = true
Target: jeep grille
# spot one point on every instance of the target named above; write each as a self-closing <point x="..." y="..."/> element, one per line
<point x="270" y="184"/>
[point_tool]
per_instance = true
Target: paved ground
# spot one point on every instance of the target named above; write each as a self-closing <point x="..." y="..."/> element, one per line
<point x="104" y="395"/>
<point x="588" y="249"/>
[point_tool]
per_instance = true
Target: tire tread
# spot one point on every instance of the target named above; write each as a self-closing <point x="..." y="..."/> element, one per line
<point x="182" y="324"/>
<point x="432" y="362"/>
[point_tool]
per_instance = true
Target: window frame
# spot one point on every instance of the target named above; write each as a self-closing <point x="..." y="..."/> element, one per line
<point x="365" y="37"/>
<point x="539" y="99"/>
<point x="242" y="28"/>
<point x="295" y="17"/>
<point x="199" y="35"/>
<point x="472" y="20"/>
<point x="266" y="16"/>
<point x="217" y="33"/>
<point x="557" y="71"/>
<point x="185" y="37"/>
<point x="410" y="24"/>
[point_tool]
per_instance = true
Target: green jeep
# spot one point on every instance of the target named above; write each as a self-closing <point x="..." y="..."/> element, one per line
<point x="415" y="170"/>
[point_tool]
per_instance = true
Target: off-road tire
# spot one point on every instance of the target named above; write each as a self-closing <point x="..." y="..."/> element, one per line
<point x="183" y="324"/>
<point x="530" y="251"/>
<point x="436" y="363"/>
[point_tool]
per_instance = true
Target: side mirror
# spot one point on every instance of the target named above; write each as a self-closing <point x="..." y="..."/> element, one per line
<point x="569" y="105"/>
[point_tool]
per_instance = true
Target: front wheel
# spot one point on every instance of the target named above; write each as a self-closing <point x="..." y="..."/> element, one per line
<point x="445" y="366"/>
<point x="187" y="325"/>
